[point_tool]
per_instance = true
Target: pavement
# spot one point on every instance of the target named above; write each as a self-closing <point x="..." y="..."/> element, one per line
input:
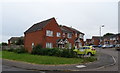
<point x="103" y="61"/>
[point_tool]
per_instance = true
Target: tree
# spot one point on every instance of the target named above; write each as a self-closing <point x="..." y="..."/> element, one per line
<point x="108" y="34"/>
<point x="4" y="44"/>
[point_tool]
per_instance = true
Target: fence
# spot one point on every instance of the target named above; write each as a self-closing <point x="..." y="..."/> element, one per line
<point x="12" y="46"/>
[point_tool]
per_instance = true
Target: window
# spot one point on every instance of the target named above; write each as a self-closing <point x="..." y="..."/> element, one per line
<point x="69" y="35"/>
<point x="75" y="34"/>
<point x="114" y="38"/>
<point x="70" y="45"/>
<point x="32" y="45"/>
<point x="48" y="45"/>
<point x="80" y="35"/>
<point x="58" y="34"/>
<point x="111" y="38"/>
<point x="63" y="34"/>
<point x="49" y="33"/>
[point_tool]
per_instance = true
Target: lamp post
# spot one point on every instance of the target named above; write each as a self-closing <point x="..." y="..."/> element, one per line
<point x="100" y="32"/>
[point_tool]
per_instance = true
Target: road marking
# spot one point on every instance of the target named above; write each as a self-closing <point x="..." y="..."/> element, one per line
<point x="114" y="60"/>
<point x="80" y="66"/>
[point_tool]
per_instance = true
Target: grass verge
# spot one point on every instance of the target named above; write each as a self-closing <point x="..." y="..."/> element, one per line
<point x="47" y="60"/>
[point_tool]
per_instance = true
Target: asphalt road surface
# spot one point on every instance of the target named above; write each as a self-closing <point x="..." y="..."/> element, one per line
<point x="114" y="53"/>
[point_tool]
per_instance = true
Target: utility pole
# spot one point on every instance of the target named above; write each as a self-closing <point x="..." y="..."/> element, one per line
<point x="100" y="33"/>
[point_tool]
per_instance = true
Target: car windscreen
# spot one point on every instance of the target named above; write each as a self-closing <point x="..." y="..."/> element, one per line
<point x="85" y="48"/>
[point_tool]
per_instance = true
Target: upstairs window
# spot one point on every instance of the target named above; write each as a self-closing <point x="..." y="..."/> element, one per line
<point x="58" y="34"/>
<point x="75" y="34"/>
<point x="63" y="34"/>
<point x="49" y="33"/>
<point x="81" y="36"/>
<point x="69" y="35"/>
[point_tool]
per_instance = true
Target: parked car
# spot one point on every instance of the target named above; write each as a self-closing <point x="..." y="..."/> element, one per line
<point x="106" y="46"/>
<point x="111" y="46"/>
<point x="94" y="45"/>
<point x="100" y="46"/>
<point x="86" y="50"/>
<point x="117" y="47"/>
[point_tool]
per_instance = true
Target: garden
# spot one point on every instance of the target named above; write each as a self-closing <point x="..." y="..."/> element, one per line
<point x="47" y="56"/>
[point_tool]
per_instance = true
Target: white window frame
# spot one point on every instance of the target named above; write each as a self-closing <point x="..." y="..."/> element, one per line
<point x="49" y="45"/>
<point x="33" y="45"/>
<point x="63" y="34"/>
<point x="70" y="45"/>
<point x="68" y="35"/>
<point x="81" y="36"/>
<point x="114" y="38"/>
<point x="111" y="38"/>
<point x="75" y="34"/>
<point x="49" y="33"/>
<point x="58" y="34"/>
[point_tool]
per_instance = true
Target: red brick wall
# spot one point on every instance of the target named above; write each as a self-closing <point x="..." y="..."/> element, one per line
<point x="39" y="37"/>
<point x="96" y="41"/>
<point x="53" y="26"/>
<point x="33" y="37"/>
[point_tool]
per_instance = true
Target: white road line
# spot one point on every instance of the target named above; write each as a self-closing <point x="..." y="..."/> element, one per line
<point x="114" y="60"/>
<point x="80" y="66"/>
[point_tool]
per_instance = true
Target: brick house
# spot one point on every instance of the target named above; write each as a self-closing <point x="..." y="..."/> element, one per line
<point x="14" y="40"/>
<point x="49" y="34"/>
<point x="88" y="42"/>
<point x="112" y="39"/>
<point x="96" y="40"/>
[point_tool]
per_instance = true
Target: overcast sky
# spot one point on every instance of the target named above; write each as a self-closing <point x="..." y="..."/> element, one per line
<point x="87" y="17"/>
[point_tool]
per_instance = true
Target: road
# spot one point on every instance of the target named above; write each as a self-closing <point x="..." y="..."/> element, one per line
<point x="114" y="53"/>
<point x="109" y="51"/>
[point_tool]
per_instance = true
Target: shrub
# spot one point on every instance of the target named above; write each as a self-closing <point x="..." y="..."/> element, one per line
<point x="11" y="50"/>
<point x="37" y="50"/>
<point x="4" y="44"/>
<point x="20" y="50"/>
<point x="54" y="52"/>
<point x="68" y="53"/>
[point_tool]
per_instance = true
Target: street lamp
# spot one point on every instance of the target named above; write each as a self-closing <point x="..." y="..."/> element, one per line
<point x="100" y="32"/>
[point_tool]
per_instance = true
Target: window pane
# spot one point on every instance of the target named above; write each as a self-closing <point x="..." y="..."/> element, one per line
<point x="49" y="33"/>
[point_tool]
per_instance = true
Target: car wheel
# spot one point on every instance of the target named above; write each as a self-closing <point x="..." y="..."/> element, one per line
<point x="89" y="54"/>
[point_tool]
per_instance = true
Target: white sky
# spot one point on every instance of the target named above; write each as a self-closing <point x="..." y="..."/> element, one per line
<point x="86" y="16"/>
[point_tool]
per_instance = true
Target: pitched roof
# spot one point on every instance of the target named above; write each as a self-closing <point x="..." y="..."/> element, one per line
<point x="38" y="26"/>
<point x="72" y="29"/>
<point x="64" y="29"/>
<point x="15" y="38"/>
<point x="96" y="37"/>
<point x="88" y="39"/>
<point x="75" y="30"/>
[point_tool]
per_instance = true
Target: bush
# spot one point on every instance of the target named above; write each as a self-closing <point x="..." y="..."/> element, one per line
<point x="4" y="44"/>
<point x="68" y="53"/>
<point x="20" y="50"/>
<point x="11" y="50"/>
<point x="17" y="50"/>
<point x="37" y="50"/>
<point x="54" y="52"/>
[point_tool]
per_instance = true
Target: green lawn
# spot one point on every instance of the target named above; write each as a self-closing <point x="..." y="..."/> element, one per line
<point x="37" y="59"/>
